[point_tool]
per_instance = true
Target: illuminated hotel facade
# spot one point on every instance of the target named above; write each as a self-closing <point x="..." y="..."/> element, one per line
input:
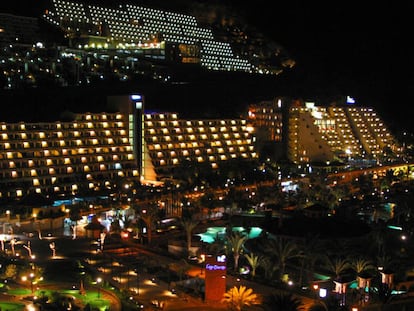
<point x="171" y="142"/>
<point x="100" y="151"/>
<point x="308" y="133"/>
<point x="163" y="34"/>
<point x="64" y="158"/>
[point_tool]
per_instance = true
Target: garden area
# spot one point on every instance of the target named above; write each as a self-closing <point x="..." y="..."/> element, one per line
<point x="53" y="298"/>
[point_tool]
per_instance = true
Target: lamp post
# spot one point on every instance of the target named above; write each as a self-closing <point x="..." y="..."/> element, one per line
<point x="31" y="275"/>
<point x="137" y="284"/>
<point x="98" y="282"/>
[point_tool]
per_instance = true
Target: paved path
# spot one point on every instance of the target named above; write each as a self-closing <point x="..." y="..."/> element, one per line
<point x="115" y="273"/>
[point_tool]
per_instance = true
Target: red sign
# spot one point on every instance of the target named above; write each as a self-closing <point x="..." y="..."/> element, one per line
<point x="215" y="280"/>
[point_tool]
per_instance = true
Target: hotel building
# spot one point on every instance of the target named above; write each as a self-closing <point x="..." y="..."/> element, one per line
<point x="154" y="34"/>
<point x="100" y="151"/>
<point x="95" y="152"/>
<point x="170" y="142"/>
<point x="64" y="158"/>
<point x="308" y="133"/>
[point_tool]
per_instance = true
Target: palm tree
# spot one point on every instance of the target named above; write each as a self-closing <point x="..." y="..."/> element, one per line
<point x="386" y="262"/>
<point x="180" y="268"/>
<point x="75" y="216"/>
<point x="238" y="298"/>
<point x="269" y="268"/>
<point x="364" y="270"/>
<point x="149" y="216"/>
<point x="282" y="301"/>
<point x="337" y="266"/>
<point x="281" y="251"/>
<point x="360" y="265"/>
<point x="378" y="238"/>
<point x="189" y="224"/>
<point x="312" y="250"/>
<point x="254" y="262"/>
<point x="236" y="241"/>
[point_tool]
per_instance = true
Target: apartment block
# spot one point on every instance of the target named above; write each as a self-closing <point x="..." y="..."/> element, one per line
<point x="170" y="141"/>
<point x="101" y="151"/>
<point x="324" y="133"/>
<point x="90" y="153"/>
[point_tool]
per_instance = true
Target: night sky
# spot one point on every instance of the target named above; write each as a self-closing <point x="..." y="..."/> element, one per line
<point x="340" y="47"/>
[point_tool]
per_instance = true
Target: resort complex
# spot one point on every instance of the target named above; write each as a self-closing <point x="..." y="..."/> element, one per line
<point x="91" y="152"/>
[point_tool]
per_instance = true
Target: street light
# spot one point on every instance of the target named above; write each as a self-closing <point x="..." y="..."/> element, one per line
<point x="98" y="281"/>
<point x="31" y="281"/>
<point x="136" y="272"/>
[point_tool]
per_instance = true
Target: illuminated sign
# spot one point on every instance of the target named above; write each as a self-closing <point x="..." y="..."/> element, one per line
<point x="215" y="277"/>
<point x="136" y="97"/>
<point x="215" y="267"/>
<point x="138" y="100"/>
<point x="221" y="258"/>
<point x="350" y="100"/>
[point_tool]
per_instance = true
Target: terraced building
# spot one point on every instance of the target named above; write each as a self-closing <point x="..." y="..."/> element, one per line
<point x="156" y="34"/>
<point x="309" y="133"/>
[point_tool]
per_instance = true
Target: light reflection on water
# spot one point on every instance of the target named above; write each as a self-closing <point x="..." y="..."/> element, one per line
<point x="213" y="233"/>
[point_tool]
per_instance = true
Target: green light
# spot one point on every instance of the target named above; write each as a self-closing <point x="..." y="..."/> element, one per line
<point x="395" y="227"/>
